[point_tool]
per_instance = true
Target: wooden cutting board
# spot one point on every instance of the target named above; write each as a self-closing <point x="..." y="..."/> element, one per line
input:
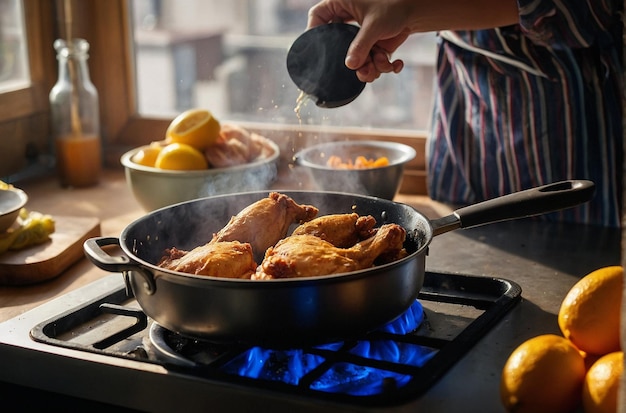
<point x="48" y="260"/>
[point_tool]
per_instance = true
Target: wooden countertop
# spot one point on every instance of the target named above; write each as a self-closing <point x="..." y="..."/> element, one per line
<point x="114" y="205"/>
<point x="111" y="201"/>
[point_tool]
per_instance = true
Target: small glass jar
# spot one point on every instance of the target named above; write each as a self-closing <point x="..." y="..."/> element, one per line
<point x="75" y="117"/>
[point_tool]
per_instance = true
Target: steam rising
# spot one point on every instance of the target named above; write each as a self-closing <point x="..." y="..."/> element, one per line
<point x="253" y="179"/>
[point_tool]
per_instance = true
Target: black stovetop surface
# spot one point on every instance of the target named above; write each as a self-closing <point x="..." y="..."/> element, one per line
<point x="458" y="311"/>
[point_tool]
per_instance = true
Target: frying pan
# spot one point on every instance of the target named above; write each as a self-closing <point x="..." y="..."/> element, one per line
<point x="298" y="311"/>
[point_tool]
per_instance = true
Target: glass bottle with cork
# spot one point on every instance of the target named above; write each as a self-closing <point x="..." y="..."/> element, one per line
<point x="75" y="117"/>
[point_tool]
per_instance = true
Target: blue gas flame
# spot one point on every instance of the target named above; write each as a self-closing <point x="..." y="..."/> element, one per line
<point x="290" y="366"/>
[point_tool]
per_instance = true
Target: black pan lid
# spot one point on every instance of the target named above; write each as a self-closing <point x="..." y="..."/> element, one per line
<point x="315" y="63"/>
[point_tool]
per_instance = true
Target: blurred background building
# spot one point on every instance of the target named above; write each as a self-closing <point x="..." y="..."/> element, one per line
<point x="229" y="57"/>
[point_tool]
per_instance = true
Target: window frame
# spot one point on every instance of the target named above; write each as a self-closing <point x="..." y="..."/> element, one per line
<point x="24" y="112"/>
<point x="32" y="99"/>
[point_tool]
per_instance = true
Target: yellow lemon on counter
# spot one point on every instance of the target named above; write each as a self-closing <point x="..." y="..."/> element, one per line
<point x="147" y="156"/>
<point x="181" y="157"/>
<point x="544" y="374"/>
<point x="590" y="313"/>
<point x="602" y="383"/>
<point x="195" y="127"/>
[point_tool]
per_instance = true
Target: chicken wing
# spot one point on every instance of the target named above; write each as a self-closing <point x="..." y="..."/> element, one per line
<point x="308" y="255"/>
<point x="219" y="259"/>
<point x="341" y="230"/>
<point x="265" y="222"/>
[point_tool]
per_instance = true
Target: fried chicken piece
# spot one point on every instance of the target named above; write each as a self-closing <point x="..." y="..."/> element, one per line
<point x="307" y="255"/>
<point x="265" y="222"/>
<point x="231" y="259"/>
<point x="170" y="255"/>
<point x="391" y="256"/>
<point x="341" y="230"/>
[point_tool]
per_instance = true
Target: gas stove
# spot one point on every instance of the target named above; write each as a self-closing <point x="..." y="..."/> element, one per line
<point x="95" y="344"/>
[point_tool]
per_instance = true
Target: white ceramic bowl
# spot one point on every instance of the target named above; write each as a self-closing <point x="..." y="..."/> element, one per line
<point x="11" y="201"/>
<point x="383" y="182"/>
<point x="155" y="188"/>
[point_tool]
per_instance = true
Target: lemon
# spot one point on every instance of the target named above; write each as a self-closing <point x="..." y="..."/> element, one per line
<point x="544" y="374"/>
<point x="147" y="156"/>
<point x="179" y="156"/>
<point x="602" y="383"/>
<point x="195" y="127"/>
<point x="589" y="315"/>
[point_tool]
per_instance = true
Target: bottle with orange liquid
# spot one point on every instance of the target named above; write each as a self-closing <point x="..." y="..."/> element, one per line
<point x="75" y="117"/>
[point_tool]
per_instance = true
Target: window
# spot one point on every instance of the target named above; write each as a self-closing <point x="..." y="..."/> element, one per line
<point x="230" y="57"/>
<point x="25" y="31"/>
<point x="14" y="71"/>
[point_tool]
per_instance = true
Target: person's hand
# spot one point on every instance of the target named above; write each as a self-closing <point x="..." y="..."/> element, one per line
<point x="384" y="27"/>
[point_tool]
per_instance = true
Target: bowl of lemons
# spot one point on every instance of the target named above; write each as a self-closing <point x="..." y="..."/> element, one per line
<point x="199" y="157"/>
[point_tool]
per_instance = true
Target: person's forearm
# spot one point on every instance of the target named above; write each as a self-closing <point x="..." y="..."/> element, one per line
<point x="429" y="15"/>
<point x="386" y="24"/>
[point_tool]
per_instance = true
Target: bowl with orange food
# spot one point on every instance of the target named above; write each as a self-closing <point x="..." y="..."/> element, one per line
<point x="199" y="157"/>
<point x="373" y="168"/>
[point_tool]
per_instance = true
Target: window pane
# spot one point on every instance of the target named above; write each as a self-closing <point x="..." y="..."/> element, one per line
<point x="14" y="72"/>
<point x="230" y="57"/>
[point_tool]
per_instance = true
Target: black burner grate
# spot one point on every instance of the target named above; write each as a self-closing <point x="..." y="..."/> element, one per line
<point x="459" y="310"/>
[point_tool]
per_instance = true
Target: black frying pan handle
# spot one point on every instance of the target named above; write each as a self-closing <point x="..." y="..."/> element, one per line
<point x="101" y="259"/>
<point x="530" y="202"/>
<point x="95" y="253"/>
